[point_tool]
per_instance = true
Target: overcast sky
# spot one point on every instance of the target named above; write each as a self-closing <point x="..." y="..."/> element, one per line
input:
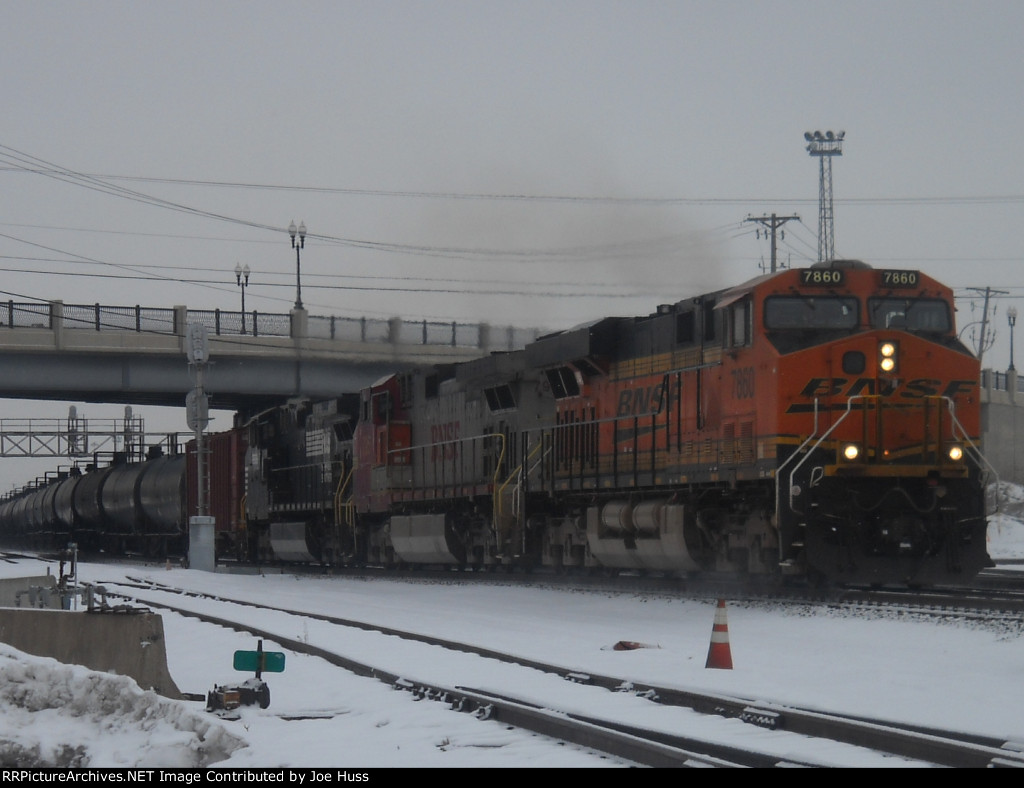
<point x="536" y="163"/>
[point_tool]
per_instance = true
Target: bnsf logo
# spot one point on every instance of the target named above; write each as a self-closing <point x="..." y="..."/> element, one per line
<point x="442" y="433"/>
<point x="907" y="389"/>
<point x="910" y="389"/>
<point x="648" y="399"/>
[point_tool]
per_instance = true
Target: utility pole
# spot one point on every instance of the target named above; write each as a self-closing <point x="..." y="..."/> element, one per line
<point x="772" y="223"/>
<point x="983" y="343"/>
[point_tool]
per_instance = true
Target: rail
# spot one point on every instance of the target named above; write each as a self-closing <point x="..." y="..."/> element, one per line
<point x="162" y="320"/>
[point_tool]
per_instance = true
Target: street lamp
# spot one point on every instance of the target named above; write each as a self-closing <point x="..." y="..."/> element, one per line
<point x="297" y="245"/>
<point x="242" y="283"/>
<point x="1011" y="318"/>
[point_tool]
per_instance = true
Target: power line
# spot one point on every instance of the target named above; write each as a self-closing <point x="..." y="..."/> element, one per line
<point x="982" y="199"/>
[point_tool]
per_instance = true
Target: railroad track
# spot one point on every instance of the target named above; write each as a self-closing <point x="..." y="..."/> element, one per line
<point x="999" y="589"/>
<point x="633" y="741"/>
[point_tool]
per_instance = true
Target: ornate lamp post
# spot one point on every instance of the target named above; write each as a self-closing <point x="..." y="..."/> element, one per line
<point x="298" y="246"/>
<point x="242" y="278"/>
<point x="1011" y="318"/>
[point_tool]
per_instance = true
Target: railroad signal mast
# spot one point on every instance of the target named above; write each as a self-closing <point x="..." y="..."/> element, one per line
<point x="825" y="145"/>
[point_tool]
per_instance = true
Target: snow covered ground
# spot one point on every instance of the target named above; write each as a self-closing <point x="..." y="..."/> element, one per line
<point x="961" y="674"/>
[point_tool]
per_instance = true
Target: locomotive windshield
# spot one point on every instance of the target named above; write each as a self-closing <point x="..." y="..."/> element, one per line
<point x="910" y="314"/>
<point x="810" y="312"/>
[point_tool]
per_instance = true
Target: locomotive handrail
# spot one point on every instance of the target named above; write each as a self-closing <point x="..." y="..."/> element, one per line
<point x="840" y="420"/>
<point x="499" y="491"/>
<point x="434" y="444"/>
<point x="501" y="454"/>
<point x="979" y="456"/>
<point x="957" y="426"/>
<point x="524" y="472"/>
<point x="787" y="461"/>
<point x="518" y="475"/>
<point x="339" y="504"/>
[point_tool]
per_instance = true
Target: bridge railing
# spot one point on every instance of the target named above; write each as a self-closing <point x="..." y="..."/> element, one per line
<point x="156" y="320"/>
<point x="114" y="318"/>
<point x="1002" y="381"/>
<point x="258" y="324"/>
<point x="26" y="315"/>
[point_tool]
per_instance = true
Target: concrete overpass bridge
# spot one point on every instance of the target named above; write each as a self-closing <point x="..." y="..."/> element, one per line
<point x="137" y="355"/>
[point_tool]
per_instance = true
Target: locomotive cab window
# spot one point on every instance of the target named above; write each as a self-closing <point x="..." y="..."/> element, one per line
<point x="381" y="407"/>
<point x="739" y="324"/>
<point x="910" y="314"/>
<point x="810" y="313"/>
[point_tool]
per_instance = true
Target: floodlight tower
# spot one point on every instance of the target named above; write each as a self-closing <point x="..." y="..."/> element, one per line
<point x="825" y="146"/>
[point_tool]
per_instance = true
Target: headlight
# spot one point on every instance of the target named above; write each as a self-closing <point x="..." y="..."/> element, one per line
<point x="955" y="453"/>
<point x="887" y="353"/>
<point x="851" y="451"/>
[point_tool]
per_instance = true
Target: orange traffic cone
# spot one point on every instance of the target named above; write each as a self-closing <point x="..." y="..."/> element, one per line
<point x="719" y="654"/>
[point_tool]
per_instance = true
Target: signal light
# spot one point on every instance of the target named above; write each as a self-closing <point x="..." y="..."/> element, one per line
<point x="887" y="356"/>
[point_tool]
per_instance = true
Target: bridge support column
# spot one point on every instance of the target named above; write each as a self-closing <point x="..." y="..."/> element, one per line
<point x="181" y="322"/>
<point x="57" y="323"/>
<point x="300" y="323"/>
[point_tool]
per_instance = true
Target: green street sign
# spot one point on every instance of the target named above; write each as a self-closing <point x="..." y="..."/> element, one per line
<point x="259" y="661"/>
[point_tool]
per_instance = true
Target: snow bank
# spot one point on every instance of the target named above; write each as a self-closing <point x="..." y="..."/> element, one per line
<point x="56" y="715"/>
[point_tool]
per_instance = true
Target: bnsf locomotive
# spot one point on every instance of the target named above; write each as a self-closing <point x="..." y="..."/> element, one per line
<point x="820" y="423"/>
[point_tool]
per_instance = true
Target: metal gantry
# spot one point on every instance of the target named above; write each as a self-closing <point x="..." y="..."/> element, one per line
<point x="74" y="437"/>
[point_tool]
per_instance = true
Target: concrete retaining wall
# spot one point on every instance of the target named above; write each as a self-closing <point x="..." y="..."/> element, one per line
<point x="38" y="591"/>
<point x="128" y="644"/>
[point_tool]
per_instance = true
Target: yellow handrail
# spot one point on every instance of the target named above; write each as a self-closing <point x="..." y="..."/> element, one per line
<point x="340" y="506"/>
<point x="500" y="491"/>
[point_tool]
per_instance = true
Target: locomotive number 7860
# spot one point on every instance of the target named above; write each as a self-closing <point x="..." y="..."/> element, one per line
<point x="743" y="383"/>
